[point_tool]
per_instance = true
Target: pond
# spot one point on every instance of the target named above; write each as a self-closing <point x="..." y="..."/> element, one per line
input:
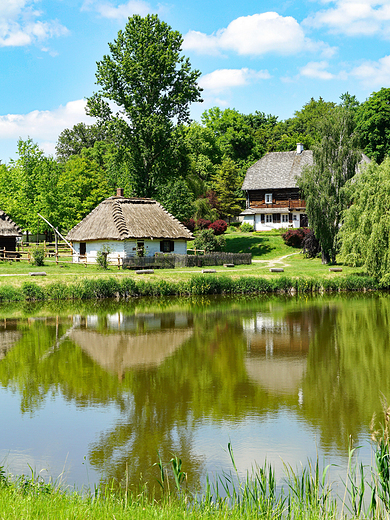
<point x="90" y="392"/>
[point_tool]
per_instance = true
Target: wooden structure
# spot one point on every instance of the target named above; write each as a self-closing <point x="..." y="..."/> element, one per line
<point x="273" y="199"/>
<point x="9" y="232"/>
<point x="128" y="227"/>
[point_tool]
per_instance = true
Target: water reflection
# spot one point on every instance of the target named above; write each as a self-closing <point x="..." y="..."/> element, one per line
<point x="171" y="380"/>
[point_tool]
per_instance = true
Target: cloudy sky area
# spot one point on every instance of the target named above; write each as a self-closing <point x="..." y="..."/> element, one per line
<point x="258" y="55"/>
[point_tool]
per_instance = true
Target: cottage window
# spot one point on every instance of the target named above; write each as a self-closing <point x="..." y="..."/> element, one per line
<point x="268" y="198"/>
<point x="83" y="248"/>
<point x="284" y="218"/>
<point x="167" y="246"/>
<point x="268" y="219"/>
<point x="295" y="216"/>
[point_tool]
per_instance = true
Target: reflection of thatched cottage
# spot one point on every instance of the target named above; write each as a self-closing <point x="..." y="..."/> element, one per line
<point x="128" y="226"/>
<point x="9" y="232"/>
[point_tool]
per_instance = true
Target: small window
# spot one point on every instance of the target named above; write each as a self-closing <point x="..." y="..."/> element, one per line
<point x="268" y="219"/>
<point x="284" y="218"/>
<point x="295" y="216"/>
<point x="83" y="248"/>
<point x="268" y="198"/>
<point x="167" y="246"/>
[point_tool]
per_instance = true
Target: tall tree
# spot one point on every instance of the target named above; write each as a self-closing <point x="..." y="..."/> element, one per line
<point x="227" y="184"/>
<point x="335" y="161"/>
<point x="373" y="124"/>
<point x="365" y="233"/>
<point x="152" y="85"/>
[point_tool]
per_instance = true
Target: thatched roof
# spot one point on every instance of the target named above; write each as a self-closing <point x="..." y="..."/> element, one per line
<point x="8" y="228"/>
<point x="277" y="170"/>
<point x="120" y="218"/>
<point x="121" y="351"/>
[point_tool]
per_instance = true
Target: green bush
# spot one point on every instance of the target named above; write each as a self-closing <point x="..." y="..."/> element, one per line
<point x="209" y="242"/>
<point x="102" y="257"/>
<point x="246" y="228"/>
<point x="38" y="256"/>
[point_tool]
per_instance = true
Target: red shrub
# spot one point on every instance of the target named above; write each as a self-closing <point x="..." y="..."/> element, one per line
<point x="202" y="223"/>
<point x="219" y="227"/>
<point x="189" y="224"/>
<point x="295" y="237"/>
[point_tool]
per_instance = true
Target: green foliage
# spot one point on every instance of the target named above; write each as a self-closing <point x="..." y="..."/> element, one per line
<point x="203" y="210"/>
<point x="227" y="183"/>
<point x="335" y="162"/>
<point x="101" y="256"/>
<point x="209" y="242"/>
<point x="38" y="255"/>
<point x="246" y="228"/>
<point x="365" y="233"/>
<point x="176" y="198"/>
<point x="73" y="141"/>
<point x="153" y="85"/>
<point x="373" y="124"/>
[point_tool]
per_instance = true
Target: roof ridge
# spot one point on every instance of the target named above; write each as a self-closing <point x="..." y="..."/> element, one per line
<point x="119" y="219"/>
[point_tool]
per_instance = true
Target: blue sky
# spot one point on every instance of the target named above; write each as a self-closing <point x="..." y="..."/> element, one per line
<point x="256" y="55"/>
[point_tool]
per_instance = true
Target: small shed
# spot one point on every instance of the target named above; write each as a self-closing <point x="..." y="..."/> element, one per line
<point x="128" y="227"/>
<point x="9" y="232"/>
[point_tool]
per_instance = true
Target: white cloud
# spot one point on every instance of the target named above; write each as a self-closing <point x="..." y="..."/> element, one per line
<point x="316" y="70"/>
<point x="254" y="35"/>
<point x="373" y="73"/>
<point x="354" y="17"/>
<point x="223" y="79"/>
<point x="19" y="24"/>
<point x="119" y="12"/>
<point x="44" y="126"/>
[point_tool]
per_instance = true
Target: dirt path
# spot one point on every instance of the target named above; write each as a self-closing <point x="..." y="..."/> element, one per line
<point x="276" y="262"/>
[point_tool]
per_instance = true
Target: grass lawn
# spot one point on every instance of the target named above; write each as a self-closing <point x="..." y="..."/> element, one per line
<point x="267" y="248"/>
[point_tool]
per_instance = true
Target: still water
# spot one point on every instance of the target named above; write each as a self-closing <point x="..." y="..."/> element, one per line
<point x="89" y="391"/>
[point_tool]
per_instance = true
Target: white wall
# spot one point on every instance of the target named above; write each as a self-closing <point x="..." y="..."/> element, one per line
<point x="255" y="221"/>
<point x="125" y="248"/>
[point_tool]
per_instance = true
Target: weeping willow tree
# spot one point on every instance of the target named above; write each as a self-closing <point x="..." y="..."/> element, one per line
<point x="364" y="236"/>
<point x="335" y="160"/>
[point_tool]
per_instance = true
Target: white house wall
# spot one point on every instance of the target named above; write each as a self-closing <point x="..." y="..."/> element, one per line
<point x="255" y="221"/>
<point x="125" y="248"/>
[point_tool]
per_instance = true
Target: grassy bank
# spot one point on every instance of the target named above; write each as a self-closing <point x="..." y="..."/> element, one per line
<point x="201" y="284"/>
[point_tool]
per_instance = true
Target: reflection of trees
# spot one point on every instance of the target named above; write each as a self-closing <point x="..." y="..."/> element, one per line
<point x="348" y="367"/>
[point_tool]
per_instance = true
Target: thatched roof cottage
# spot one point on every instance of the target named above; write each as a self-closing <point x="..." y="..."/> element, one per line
<point x="129" y="227"/>
<point x="9" y="232"/>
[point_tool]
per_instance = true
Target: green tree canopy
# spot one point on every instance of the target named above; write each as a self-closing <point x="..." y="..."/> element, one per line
<point x="227" y="184"/>
<point x="335" y="161"/>
<point x="373" y="124"/>
<point x="365" y="233"/>
<point x="152" y="86"/>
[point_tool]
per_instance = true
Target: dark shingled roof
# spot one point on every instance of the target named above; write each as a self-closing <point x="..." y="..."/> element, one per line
<point x="119" y="218"/>
<point x="8" y="228"/>
<point x="277" y="170"/>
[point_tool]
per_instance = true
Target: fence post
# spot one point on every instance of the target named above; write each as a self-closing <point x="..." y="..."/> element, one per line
<point x="119" y="261"/>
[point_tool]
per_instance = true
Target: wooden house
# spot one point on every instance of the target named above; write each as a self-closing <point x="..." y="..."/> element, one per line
<point x="129" y="227"/>
<point x="273" y="199"/>
<point x="9" y="232"/>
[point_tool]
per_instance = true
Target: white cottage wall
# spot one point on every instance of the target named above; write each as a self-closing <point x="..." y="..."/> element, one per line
<point x="125" y="248"/>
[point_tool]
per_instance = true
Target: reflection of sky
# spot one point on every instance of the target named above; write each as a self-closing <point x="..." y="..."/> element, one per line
<point x="58" y="436"/>
<point x="55" y="439"/>
<point x="278" y="439"/>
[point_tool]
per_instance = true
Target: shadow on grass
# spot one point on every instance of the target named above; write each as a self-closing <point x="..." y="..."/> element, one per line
<point x="254" y="244"/>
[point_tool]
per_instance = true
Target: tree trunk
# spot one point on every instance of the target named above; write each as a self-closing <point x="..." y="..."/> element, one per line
<point x="325" y="257"/>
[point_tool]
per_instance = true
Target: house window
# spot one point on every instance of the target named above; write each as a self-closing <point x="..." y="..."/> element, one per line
<point x="268" y="219"/>
<point x="83" y="248"/>
<point x="268" y="198"/>
<point x="167" y="246"/>
<point x="295" y="216"/>
<point x="284" y="218"/>
<point x="140" y="249"/>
